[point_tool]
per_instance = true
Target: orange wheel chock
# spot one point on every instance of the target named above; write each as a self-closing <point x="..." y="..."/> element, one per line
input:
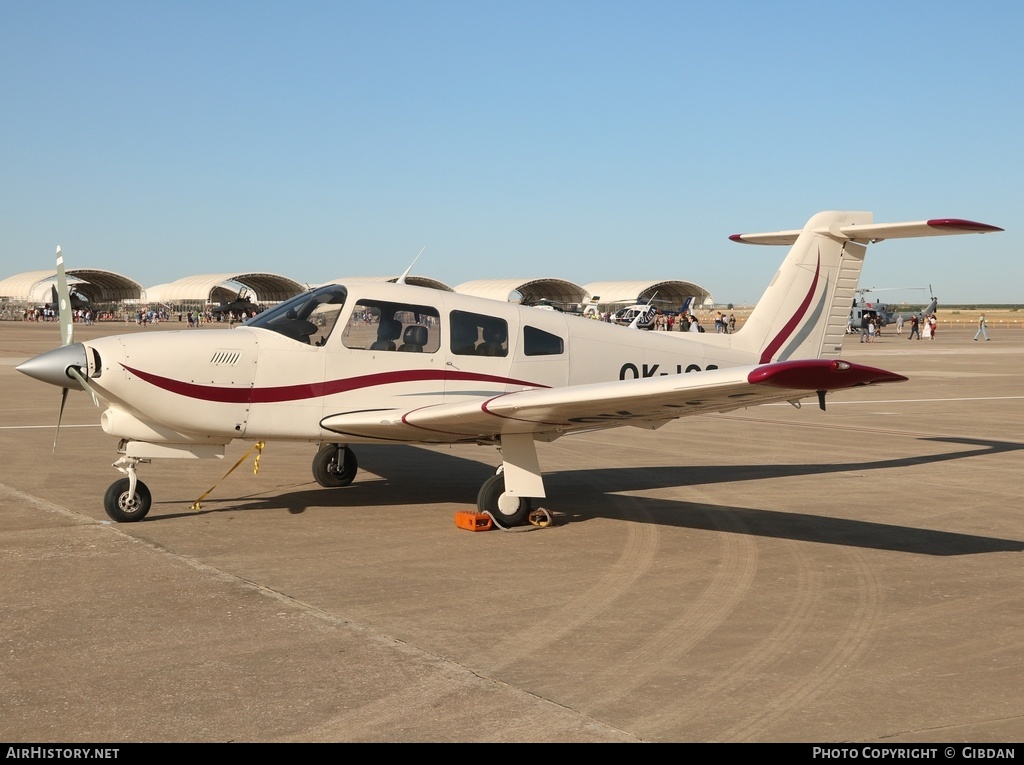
<point x="473" y="521"/>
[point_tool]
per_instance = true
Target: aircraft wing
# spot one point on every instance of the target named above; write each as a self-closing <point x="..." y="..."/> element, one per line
<point x="649" y="403"/>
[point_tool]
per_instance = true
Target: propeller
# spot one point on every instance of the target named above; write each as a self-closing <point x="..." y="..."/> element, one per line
<point x="67" y="337"/>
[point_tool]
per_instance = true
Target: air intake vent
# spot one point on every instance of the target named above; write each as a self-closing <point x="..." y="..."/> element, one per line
<point x="225" y="358"/>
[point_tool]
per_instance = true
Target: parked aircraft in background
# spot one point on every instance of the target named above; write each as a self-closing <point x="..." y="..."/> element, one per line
<point x="883" y="313"/>
<point x="241" y="305"/>
<point x="398" y="363"/>
<point x="76" y="300"/>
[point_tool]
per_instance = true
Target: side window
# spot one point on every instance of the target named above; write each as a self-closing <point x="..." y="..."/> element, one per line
<point x="377" y="325"/>
<point x="537" y="342"/>
<point x="476" y="334"/>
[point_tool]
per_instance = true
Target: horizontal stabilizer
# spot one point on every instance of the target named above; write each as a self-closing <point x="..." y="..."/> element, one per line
<point x="876" y="232"/>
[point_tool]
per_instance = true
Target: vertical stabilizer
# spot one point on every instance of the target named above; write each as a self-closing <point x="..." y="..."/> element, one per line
<point x="804" y="311"/>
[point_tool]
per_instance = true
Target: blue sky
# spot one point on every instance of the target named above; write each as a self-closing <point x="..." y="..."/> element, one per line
<point x="581" y="140"/>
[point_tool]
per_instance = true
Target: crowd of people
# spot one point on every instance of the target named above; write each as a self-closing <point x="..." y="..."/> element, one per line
<point x="920" y="326"/>
<point x="689" y="322"/>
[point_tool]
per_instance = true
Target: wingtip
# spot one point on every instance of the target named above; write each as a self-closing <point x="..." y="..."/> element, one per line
<point x="959" y="224"/>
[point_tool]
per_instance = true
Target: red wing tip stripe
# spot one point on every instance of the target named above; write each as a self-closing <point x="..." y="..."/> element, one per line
<point x="820" y="374"/>
<point x="962" y="225"/>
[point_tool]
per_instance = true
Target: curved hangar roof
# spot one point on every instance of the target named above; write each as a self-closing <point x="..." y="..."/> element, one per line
<point x="416" y="281"/>
<point x="670" y="292"/>
<point x="532" y="290"/>
<point x="96" y="284"/>
<point x="269" y="288"/>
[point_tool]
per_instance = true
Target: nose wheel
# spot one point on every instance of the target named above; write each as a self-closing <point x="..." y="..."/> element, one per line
<point x="125" y="506"/>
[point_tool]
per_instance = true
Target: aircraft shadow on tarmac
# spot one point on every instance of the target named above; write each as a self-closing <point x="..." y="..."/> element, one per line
<point x="576" y="497"/>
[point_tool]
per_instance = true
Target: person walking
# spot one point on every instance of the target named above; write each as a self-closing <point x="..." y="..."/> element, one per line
<point x="981" y="328"/>
<point x="914" y="328"/>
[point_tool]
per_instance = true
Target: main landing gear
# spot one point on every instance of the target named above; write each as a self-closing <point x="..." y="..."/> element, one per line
<point x="506" y="509"/>
<point x="334" y="465"/>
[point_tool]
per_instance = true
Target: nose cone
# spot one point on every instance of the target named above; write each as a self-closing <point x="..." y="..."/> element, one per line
<point x="52" y="366"/>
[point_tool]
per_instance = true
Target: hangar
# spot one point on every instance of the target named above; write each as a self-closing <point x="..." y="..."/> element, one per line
<point x="215" y="288"/>
<point x="98" y="285"/>
<point x="669" y="294"/>
<point x="416" y="281"/>
<point x="532" y="291"/>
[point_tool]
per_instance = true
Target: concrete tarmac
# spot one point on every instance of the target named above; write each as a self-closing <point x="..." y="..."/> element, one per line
<point x="771" y="575"/>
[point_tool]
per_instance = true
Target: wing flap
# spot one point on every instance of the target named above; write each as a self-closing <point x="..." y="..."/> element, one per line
<point x="552" y="412"/>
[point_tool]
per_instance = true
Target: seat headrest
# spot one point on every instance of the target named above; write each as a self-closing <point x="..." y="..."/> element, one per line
<point x="415" y="335"/>
<point x="389" y="329"/>
<point x="495" y="334"/>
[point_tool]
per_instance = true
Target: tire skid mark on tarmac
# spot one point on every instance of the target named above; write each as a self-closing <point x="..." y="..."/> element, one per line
<point x="730" y="582"/>
<point x="853" y="428"/>
<point x="851" y="644"/>
<point x="639" y="550"/>
<point x="807" y="590"/>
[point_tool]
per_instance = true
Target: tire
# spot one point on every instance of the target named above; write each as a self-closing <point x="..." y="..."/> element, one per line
<point x="116" y="503"/>
<point x="326" y="470"/>
<point x="487" y="502"/>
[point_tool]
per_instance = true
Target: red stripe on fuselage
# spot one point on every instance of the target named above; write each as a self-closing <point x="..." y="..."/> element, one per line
<point x="281" y="393"/>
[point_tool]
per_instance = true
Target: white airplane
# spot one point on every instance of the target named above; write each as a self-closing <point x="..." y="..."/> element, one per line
<point x="394" y="362"/>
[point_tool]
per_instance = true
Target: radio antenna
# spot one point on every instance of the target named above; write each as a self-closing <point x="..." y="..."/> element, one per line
<point x="401" y="279"/>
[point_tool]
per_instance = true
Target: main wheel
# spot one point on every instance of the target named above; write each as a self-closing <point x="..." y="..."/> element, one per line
<point x="118" y="506"/>
<point x="506" y="510"/>
<point x="334" y="466"/>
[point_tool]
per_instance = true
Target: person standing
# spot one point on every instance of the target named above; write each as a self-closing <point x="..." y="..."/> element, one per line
<point x="899" y="324"/>
<point x="981" y="328"/>
<point x="914" y="328"/>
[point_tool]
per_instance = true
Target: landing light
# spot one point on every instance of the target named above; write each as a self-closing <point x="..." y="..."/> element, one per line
<point x="841" y="366"/>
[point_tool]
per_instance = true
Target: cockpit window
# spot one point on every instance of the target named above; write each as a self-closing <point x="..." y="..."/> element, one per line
<point x="308" y="318"/>
<point x="378" y="325"/>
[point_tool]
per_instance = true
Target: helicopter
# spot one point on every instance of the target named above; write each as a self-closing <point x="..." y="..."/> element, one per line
<point x="883" y="313"/>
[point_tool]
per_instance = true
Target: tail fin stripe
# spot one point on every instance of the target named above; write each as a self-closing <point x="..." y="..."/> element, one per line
<point x="793" y="323"/>
<point x="808" y="326"/>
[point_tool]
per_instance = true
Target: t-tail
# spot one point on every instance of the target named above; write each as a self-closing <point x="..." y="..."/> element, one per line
<point x="804" y="312"/>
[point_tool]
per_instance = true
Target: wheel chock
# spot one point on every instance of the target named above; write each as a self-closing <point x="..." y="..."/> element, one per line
<point x="540" y="518"/>
<point x="471" y="521"/>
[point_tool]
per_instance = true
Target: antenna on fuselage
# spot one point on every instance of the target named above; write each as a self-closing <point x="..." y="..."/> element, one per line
<point x="401" y="279"/>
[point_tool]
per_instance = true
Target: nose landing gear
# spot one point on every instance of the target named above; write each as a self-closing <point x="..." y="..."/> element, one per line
<point x="127" y="499"/>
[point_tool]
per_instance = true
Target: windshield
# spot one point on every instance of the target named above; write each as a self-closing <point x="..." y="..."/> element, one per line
<point x="307" y="318"/>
